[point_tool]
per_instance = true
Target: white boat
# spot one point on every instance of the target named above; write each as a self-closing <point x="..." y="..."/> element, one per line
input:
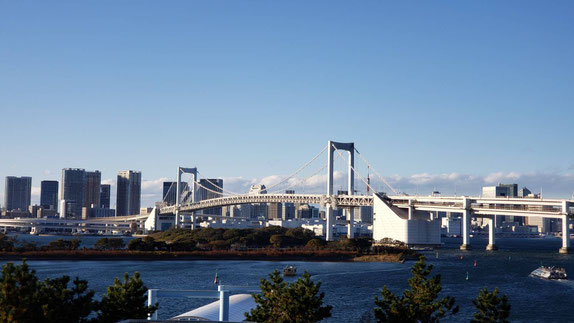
<point x="549" y="272"/>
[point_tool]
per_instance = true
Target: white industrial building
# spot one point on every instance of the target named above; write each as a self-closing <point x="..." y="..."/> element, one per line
<point x="411" y="227"/>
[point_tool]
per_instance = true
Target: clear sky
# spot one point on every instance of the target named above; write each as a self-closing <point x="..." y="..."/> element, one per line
<point x="434" y="94"/>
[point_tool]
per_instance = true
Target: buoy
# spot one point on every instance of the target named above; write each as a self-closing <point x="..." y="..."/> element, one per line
<point x="475" y="263"/>
<point x="467" y="275"/>
<point x="460" y="257"/>
<point x="437" y="255"/>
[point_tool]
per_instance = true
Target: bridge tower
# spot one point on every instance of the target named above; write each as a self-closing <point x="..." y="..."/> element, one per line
<point x="178" y="189"/>
<point x="350" y="148"/>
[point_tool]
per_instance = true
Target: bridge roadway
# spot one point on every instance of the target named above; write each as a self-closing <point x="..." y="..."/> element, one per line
<point x="104" y="223"/>
<point x="478" y="206"/>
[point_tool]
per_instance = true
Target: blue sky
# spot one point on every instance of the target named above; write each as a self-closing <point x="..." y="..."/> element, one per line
<point x="447" y="94"/>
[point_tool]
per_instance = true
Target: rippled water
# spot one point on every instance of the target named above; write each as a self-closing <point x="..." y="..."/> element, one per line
<point x="351" y="287"/>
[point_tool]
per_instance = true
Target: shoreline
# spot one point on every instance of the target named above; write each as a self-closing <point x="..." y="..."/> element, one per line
<point x="263" y="255"/>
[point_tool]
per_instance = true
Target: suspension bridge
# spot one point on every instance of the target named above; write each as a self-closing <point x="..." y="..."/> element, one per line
<point x="409" y="218"/>
<point x="395" y="215"/>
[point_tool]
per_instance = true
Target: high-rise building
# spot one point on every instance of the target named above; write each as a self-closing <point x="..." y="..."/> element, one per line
<point x="128" y="197"/>
<point x="72" y="191"/>
<point x="105" y="194"/>
<point x="92" y="190"/>
<point x="289" y="210"/>
<point x="169" y="189"/>
<point x="49" y="195"/>
<point x="210" y="188"/>
<point x="17" y="193"/>
<point x="274" y="211"/>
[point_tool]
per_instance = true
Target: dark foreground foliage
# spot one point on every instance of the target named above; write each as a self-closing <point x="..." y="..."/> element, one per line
<point x="420" y="303"/>
<point x="491" y="307"/>
<point x="24" y="298"/>
<point x="281" y="302"/>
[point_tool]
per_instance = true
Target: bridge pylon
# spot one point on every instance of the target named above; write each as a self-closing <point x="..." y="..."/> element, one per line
<point x="350" y="148"/>
<point x="178" y="189"/>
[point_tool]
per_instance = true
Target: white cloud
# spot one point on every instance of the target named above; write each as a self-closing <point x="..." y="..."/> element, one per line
<point x="109" y="181"/>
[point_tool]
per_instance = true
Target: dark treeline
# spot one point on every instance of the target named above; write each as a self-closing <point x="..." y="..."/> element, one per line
<point x="26" y="299"/>
<point x="242" y="239"/>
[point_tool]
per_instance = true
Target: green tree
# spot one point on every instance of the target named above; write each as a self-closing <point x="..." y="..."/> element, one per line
<point x="315" y="243"/>
<point x="491" y="307"/>
<point x="109" y="243"/>
<point x="61" y="304"/>
<point x="125" y="300"/>
<point x="282" y="302"/>
<point x="62" y="244"/>
<point x="19" y="294"/>
<point x="23" y="298"/>
<point x="6" y="243"/>
<point x="420" y="303"/>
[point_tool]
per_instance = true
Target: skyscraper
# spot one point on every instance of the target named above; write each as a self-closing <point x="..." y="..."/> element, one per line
<point x="17" y="193"/>
<point x="49" y="195"/>
<point x="92" y="191"/>
<point x="105" y="194"/>
<point x="168" y="195"/>
<point x="210" y="189"/>
<point x="128" y="198"/>
<point x="169" y="188"/>
<point x="72" y="192"/>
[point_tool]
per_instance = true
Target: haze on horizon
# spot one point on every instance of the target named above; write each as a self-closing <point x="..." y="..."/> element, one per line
<point x="448" y="96"/>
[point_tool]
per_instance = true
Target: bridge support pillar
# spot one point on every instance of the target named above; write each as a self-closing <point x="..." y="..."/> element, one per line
<point x="565" y="229"/>
<point x="193" y="224"/>
<point x="466" y="214"/>
<point x="491" y="243"/>
<point x="351" y="225"/>
<point x="329" y="224"/>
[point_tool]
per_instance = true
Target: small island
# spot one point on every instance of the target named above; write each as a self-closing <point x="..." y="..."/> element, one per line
<point x="270" y="243"/>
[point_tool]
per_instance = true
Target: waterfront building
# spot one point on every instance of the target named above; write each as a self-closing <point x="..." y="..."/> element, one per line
<point x="96" y="212"/>
<point x="210" y="188"/>
<point x="92" y="191"/>
<point x="35" y="211"/>
<point x="105" y="196"/>
<point x="365" y="214"/>
<point x="274" y="211"/>
<point x="72" y="191"/>
<point x="49" y="195"/>
<point x="305" y="211"/>
<point x="288" y="210"/>
<point x="17" y="193"/>
<point x="503" y="190"/>
<point x="128" y="197"/>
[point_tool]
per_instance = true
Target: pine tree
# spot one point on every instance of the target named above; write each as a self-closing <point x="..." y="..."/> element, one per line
<point x="280" y="302"/>
<point x="23" y="298"/>
<point x="19" y="294"/>
<point x="125" y="300"/>
<point x="491" y="307"/>
<point x="420" y="303"/>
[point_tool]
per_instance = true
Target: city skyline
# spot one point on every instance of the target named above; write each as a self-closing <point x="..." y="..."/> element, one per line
<point x="451" y="96"/>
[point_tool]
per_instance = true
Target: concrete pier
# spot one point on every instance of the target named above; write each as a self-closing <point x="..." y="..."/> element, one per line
<point x="466" y="226"/>
<point x="491" y="242"/>
<point x="565" y="229"/>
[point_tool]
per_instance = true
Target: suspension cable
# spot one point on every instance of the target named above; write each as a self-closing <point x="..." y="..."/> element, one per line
<point x="377" y="173"/>
<point x="219" y="187"/>
<point x="302" y="180"/>
<point x="354" y="171"/>
<point x="297" y="171"/>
